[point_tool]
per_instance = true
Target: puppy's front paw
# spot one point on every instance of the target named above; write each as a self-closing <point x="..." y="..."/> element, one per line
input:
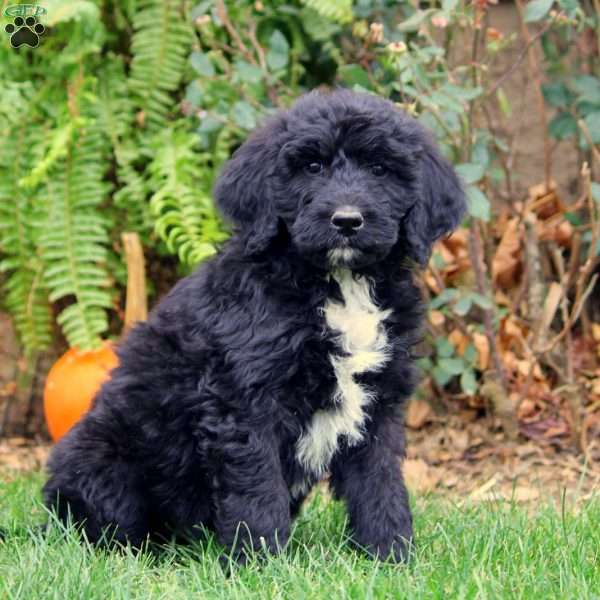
<point x="398" y="551"/>
<point x="243" y="554"/>
<point x="396" y="548"/>
<point x="229" y="561"/>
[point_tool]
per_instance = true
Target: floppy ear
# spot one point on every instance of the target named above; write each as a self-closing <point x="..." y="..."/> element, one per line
<point x="439" y="208"/>
<point x="243" y="192"/>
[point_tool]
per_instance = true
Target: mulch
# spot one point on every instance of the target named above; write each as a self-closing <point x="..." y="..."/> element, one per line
<point x="463" y="461"/>
<point x="475" y="461"/>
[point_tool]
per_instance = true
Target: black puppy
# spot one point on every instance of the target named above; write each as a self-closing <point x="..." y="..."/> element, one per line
<point x="285" y="357"/>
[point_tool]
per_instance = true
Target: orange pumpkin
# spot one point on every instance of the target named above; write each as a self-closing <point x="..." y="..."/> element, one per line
<point x="72" y="384"/>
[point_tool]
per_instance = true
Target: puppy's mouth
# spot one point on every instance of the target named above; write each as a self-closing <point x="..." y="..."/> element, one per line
<point x="344" y="256"/>
<point x="327" y="248"/>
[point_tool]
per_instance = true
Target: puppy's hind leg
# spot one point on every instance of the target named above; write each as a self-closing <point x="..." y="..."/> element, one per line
<point x="97" y="492"/>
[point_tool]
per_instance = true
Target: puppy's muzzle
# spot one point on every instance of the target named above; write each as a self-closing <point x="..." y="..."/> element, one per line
<point x="347" y="221"/>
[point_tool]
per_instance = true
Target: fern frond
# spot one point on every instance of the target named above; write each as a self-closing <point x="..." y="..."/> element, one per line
<point x="115" y="118"/>
<point x="161" y="44"/>
<point x="132" y="196"/>
<point x="57" y="149"/>
<point x="339" y="11"/>
<point x="74" y="244"/>
<point x="185" y="217"/>
<point x="27" y="302"/>
<point x="59" y="11"/>
<point x="21" y="218"/>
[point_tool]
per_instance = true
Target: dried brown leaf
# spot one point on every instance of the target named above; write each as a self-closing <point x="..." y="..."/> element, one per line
<point x="506" y="260"/>
<point x="459" y="340"/>
<point x="419" y="476"/>
<point x="482" y="345"/>
<point x="436" y="318"/>
<point x="418" y="413"/>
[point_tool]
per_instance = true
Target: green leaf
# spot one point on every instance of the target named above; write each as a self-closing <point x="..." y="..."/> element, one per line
<point x="557" y="94"/>
<point x="481" y="301"/>
<point x="588" y="88"/>
<point x="468" y="382"/>
<point x="332" y="10"/>
<point x="425" y="364"/>
<point x="454" y="366"/>
<point x="585" y="108"/>
<point x="318" y="28"/>
<point x="193" y="94"/>
<point x="443" y="348"/>
<point x="479" y="205"/>
<point x="596" y="191"/>
<point x="504" y="102"/>
<point x="537" y="10"/>
<point x="449" y="5"/>
<point x="562" y="126"/>
<point x="438" y="260"/>
<point x="277" y="55"/>
<point x="244" y="115"/>
<point x="463" y="306"/>
<point x="470" y="172"/>
<point x="202" y="64"/>
<point x="464" y="94"/>
<point x="441" y="376"/>
<point x="481" y="153"/>
<point x="248" y="72"/>
<point x="443" y="297"/>
<point x="592" y="122"/>
<point x="354" y="75"/>
<point x="574" y="218"/>
<point x="470" y="354"/>
<point x="415" y="20"/>
<point x="82" y="10"/>
<point x="209" y="124"/>
<point x="571" y="7"/>
<point x="441" y="100"/>
<point x="201" y="9"/>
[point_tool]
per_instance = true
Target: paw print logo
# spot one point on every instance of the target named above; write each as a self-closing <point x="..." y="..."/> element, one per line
<point x="24" y="32"/>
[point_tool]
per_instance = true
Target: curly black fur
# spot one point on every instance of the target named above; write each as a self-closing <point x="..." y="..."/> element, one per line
<point x="200" y="424"/>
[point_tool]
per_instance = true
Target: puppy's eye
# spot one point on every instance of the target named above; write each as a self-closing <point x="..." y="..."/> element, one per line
<point x="314" y="167"/>
<point x="378" y="170"/>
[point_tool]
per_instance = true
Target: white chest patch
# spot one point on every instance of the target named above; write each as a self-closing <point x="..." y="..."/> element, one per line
<point x="364" y="344"/>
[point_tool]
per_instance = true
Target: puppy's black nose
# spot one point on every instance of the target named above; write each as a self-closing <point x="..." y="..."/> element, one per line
<point x="347" y="222"/>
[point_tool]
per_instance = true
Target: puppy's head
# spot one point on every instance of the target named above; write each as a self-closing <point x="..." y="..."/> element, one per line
<point x="347" y="177"/>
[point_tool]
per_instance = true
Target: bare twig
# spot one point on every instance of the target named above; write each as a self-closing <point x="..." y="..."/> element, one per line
<point x="460" y="322"/>
<point x="494" y="88"/>
<point x="585" y="280"/>
<point x="231" y="30"/>
<point x="588" y="138"/>
<point x="480" y="269"/>
<point x="535" y="290"/>
<point x="257" y="47"/>
<point x="475" y="81"/>
<point x="574" y="259"/>
<point x="571" y="388"/>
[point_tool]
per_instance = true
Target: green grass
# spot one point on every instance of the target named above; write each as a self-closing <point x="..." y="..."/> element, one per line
<point x="491" y="550"/>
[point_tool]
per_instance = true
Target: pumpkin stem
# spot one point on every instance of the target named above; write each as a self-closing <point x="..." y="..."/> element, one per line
<point x="136" y="303"/>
